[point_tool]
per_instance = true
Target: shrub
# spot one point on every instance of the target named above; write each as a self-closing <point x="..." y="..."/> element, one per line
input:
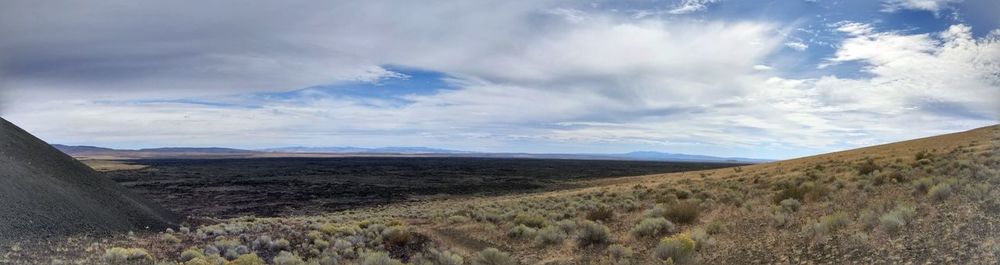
<point x="618" y="252"/>
<point x="867" y="167"/>
<point x="684" y="212"/>
<point x="396" y="235"/>
<point x="923" y="185"/>
<point x="781" y="219"/>
<point x="715" y="227"/>
<point x="820" y="231"/>
<point x="592" y="233"/>
<point x="287" y="258"/>
<point x="530" y="220"/>
<point x="458" y="219"/>
<point x="701" y="239"/>
<point x="791" y="205"/>
<point x="550" y="236"/>
<point x="378" y="258"/>
<point x="521" y="231"/>
<point x="127" y="256"/>
<point x="567" y="226"/>
<point x="436" y="257"/>
<point x="280" y="244"/>
<point x="652" y="227"/>
<point x="940" y="192"/>
<point x="191" y="253"/>
<point x="492" y="256"/>
<point x="676" y="249"/>
<point x="600" y="213"/>
<point x="893" y="221"/>
<point x="169" y="239"/>
<point x="248" y="259"/>
<point x="868" y="219"/>
<point x="657" y="211"/>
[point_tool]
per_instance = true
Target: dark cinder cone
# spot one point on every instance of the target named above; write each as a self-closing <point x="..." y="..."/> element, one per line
<point x="45" y="193"/>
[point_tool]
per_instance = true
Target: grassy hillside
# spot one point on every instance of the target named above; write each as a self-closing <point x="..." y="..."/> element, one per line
<point x="932" y="200"/>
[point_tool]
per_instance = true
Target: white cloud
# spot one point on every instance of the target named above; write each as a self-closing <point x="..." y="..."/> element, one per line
<point x="797" y="45"/>
<point x="761" y="67"/>
<point x="690" y="6"/>
<point x="934" y="6"/>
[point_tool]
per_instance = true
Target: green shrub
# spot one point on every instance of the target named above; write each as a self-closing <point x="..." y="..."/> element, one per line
<point x="868" y="219"/>
<point x="492" y="256"/>
<point x="521" y="232"/>
<point x="867" y="167"/>
<point x="820" y="231"/>
<point x="676" y="249"/>
<point x="436" y="257"/>
<point x="280" y="244"/>
<point x="684" y="212"/>
<point x="567" y="226"/>
<point x="618" y="252"/>
<point x="287" y="258"/>
<point x="191" y="253"/>
<point x="127" y="256"/>
<point x="895" y="220"/>
<point x="923" y="185"/>
<point x="715" y="227"/>
<point x="791" y="205"/>
<point x="652" y="227"/>
<point x="458" y="219"/>
<point x="378" y="258"/>
<point x="592" y="233"/>
<point x="940" y="192"/>
<point x="550" y="235"/>
<point x="701" y="238"/>
<point x="530" y="220"/>
<point x="248" y="259"/>
<point x="780" y="218"/>
<point x="600" y="213"/>
<point x="396" y="235"/>
<point x="169" y="239"/>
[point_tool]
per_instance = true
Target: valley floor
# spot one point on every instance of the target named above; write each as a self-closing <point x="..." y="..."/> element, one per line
<point x="934" y="200"/>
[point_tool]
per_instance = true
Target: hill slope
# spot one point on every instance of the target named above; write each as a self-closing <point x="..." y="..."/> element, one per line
<point x="44" y="192"/>
<point x="927" y="201"/>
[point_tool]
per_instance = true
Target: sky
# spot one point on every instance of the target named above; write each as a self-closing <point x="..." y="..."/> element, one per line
<point x="763" y="79"/>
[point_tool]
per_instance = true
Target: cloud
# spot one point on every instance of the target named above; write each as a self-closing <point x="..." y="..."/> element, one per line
<point x="934" y="6"/>
<point x="797" y="45"/>
<point x="691" y="6"/>
<point x="533" y="76"/>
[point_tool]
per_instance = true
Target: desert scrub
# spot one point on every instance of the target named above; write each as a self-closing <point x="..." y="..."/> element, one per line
<point x="567" y="226"/>
<point x="593" y="234"/>
<point x="895" y="220"/>
<point x="458" y="219"/>
<point x="715" y="227"/>
<point x="791" y="205"/>
<point x="600" y="213"/>
<point x="437" y="257"/>
<point x="820" y="231"/>
<point x="127" y="256"/>
<point x="287" y="258"/>
<point x="652" y="227"/>
<point x="780" y="218"/>
<point x="247" y="259"/>
<point x="940" y="192"/>
<point x="191" y="253"/>
<point x="701" y="239"/>
<point x="550" y="235"/>
<point x="521" y="232"/>
<point x="377" y="258"/>
<point x="620" y="254"/>
<point x="684" y="212"/>
<point x="675" y="249"/>
<point x="868" y="219"/>
<point x="280" y="244"/>
<point x="169" y="239"/>
<point x="396" y="235"/>
<point x="530" y="220"/>
<point x="492" y="256"/>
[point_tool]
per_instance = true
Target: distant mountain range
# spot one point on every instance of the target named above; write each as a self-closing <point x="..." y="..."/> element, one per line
<point x="343" y="151"/>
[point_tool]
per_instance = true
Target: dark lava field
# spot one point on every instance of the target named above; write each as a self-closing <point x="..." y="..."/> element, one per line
<point x="292" y="186"/>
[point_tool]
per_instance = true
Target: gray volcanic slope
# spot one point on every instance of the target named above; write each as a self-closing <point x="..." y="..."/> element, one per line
<point x="44" y="193"/>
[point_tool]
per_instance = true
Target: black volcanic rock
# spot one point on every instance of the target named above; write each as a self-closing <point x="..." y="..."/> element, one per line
<point x="44" y="193"/>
